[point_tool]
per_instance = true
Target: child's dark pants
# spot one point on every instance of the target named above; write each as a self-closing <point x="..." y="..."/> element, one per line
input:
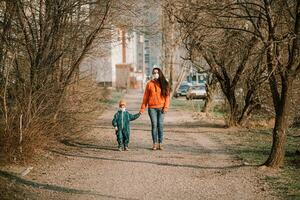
<point x="122" y="138"/>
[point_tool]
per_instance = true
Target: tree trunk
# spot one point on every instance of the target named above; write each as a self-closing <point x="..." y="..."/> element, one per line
<point x="179" y="80"/>
<point x="210" y="90"/>
<point x="171" y="74"/>
<point x="246" y="113"/>
<point x="250" y="105"/>
<point x="207" y="104"/>
<point x="233" y="115"/>
<point x="276" y="157"/>
<point x="229" y="93"/>
<point x="244" y="116"/>
<point x="232" y="120"/>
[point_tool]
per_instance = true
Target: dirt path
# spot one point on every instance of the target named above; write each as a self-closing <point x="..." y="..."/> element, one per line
<point x="194" y="165"/>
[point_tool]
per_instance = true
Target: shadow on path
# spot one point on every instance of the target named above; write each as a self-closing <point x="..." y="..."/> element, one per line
<point x="150" y="162"/>
<point x="183" y="148"/>
<point x="33" y="184"/>
<point x="86" y="145"/>
<point x="166" y="130"/>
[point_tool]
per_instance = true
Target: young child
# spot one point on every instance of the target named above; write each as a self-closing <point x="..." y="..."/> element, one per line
<point x="122" y="126"/>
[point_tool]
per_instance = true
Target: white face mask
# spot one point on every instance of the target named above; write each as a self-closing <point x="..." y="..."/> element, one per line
<point x="155" y="76"/>
<point x="123" y="109"/>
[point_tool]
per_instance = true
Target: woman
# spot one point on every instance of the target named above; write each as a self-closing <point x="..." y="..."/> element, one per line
<point x="157" y="98"/>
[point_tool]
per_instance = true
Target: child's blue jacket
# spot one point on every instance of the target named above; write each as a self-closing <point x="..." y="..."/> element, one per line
<point x="122" y="120"/>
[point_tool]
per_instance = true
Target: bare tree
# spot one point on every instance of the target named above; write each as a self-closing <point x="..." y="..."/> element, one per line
<point x="229" y="53"/>
<point x="278" y="30"/>
<point x="274" y="26"/>
<point x="42" y="44"/>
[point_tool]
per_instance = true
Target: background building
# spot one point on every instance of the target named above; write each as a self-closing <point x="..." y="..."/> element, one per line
<point x="137" y="48"/>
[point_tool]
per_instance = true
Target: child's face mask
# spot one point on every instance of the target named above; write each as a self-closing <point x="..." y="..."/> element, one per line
<point x="123" y="109"/>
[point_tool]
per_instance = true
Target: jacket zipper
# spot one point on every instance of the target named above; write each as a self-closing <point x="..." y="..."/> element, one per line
<point x="122" y="119"/>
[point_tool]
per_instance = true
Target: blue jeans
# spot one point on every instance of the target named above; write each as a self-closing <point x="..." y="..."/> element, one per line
<point x="157" y="123"/>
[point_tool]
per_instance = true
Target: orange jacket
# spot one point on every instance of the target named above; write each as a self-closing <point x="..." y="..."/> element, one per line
<point x="153" y="98"/>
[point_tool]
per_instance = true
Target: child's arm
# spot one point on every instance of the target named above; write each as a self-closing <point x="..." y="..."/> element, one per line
<point x="114" y="121"/>
<point x="134" y="117"/>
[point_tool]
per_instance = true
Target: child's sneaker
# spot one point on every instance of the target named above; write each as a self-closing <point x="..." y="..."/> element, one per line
<point x="126" y="149"/>
<point x="119" y="148"/>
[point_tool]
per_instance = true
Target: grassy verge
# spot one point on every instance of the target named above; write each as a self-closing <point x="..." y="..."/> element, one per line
<point x="189" y="105"/>
<point x="218" y="110"/>
<point x="253" y="146"/>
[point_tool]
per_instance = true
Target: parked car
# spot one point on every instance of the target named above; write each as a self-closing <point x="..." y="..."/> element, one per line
<point x="196" y="92"/>
<point x="182" y="90"/>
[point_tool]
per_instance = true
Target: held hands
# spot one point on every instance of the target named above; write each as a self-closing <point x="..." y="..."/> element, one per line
<point x="116" y="128"/>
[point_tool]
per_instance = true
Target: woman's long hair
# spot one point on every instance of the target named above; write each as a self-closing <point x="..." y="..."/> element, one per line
<point x="163" y="83"/>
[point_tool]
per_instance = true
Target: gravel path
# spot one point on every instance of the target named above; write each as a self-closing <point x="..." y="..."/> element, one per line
<point x="194" y="165"/>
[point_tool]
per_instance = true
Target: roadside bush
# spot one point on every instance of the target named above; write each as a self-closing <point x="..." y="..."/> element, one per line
<point x="50" y="121"/>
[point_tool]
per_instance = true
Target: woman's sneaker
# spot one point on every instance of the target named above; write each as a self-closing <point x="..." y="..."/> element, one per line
<point x="160" y="147"/>
<point x="154" y="147"/>
<point x="126" y="149"/>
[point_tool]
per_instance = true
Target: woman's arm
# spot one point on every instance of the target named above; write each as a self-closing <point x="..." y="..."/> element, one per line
<point x="145" y="98"/>
<point x="166" y="104"/>
<point x="167" y="101"/>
